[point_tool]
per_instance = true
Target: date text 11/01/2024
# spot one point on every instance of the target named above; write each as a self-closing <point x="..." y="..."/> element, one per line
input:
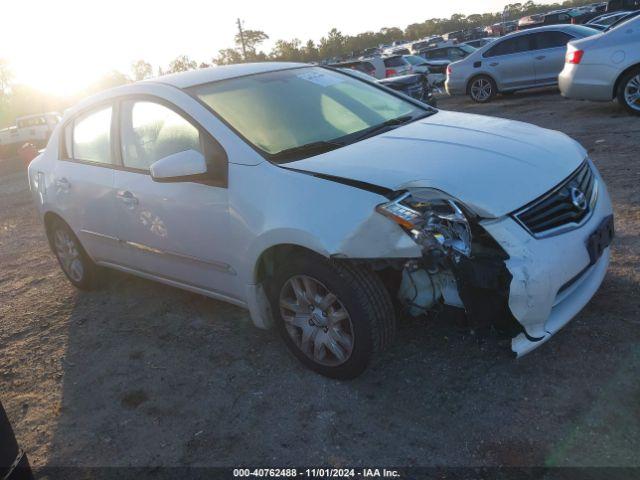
<point x="317" y="472"/>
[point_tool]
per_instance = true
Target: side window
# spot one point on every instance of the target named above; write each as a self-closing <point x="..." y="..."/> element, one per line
<point x="512" y="45"/>
<point x="551" y="40"/>
<point x="151" y="131"/>
<point x="455" y="53"/>
<point x="92" y="137"/>
<point x="503" y="48"/>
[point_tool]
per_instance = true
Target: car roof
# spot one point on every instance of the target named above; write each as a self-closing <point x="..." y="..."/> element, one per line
<point x="225" y="72"/>
<point x="544" y="28"/>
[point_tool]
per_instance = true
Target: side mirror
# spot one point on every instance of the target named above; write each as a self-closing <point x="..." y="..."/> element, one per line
<point x="179" y="167"/>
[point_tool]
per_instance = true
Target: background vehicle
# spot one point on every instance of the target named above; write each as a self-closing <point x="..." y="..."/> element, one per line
<point x="369" y="52"/>
<point x="551" y="18"/>
<point x="616" y="5"/>
<point x="481" y="42"/>
<point x="372" y="66"/>
<point x="451" y="54"/>
<point x="396" y="65"/>
<point x="605" y="67"/>
<point x="601" y="22"/>
<point x="418" y="63"/>
<point x="35" y="129"/>
<point x="414" y="85"/>
<point x="527" y="59"/>
<point x="502" y="28"/>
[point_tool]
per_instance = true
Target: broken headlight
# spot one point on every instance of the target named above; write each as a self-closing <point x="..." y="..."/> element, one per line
<point x="432" y="218"/>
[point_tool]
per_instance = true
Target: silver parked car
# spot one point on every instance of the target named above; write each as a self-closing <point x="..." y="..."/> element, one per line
<point x="606" y="66"/>
<point x="520" y="60"/>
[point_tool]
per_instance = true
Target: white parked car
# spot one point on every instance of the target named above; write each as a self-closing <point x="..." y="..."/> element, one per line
<point x="319" y="201"/>
<point x="526" y="59"/>
<point x="34" y="129"/>
<point x="605" y="67"/>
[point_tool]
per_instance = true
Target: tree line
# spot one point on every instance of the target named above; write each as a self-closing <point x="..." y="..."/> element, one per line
<point x="16" y="100"/>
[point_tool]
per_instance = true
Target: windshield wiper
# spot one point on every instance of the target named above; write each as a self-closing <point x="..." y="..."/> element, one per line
<point x="384" y="126"/>
<point x="309" y="149"/>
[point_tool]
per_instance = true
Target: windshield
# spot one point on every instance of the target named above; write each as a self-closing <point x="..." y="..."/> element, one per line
<point x="284" y="111"/>
<point x="466" y="48"/>
<point x="623" y="20"/>
<point x="414" y="60"/>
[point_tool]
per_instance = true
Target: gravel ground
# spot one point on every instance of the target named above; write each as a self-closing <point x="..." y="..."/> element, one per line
<point x="143" y="374"/>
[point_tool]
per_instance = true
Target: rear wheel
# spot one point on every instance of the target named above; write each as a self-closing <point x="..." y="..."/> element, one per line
<point x="629" y="91"/>
<point x="74" y="261"/>
<point x="482" y="89"/>
<point x="333" y="316"/>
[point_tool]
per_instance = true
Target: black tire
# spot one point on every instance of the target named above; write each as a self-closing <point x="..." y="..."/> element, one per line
<point x="91" y="274"/>
<point x="363" y="295"/>
<point x="629" y="81"/>
<point x="482" y="83"/>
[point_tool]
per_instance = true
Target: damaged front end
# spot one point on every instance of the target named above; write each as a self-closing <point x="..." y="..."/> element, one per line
<point x="461" y="264"/>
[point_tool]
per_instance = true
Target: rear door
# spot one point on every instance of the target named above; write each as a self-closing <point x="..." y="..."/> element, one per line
<point x="549" y="52"/>
<point x="510" y="62"/>
<point x="83" y="181"/>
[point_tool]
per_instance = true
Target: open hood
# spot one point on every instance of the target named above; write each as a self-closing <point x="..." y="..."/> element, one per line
<point x="492" y="165"/>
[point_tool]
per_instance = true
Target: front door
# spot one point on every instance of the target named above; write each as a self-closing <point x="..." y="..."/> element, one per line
<point x="176" y="230"/>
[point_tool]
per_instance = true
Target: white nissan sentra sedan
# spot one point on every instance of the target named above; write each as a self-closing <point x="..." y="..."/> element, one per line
<point x="322" y="203"/>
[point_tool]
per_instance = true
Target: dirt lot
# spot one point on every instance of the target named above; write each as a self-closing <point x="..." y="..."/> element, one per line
<point x="143" y="374"/>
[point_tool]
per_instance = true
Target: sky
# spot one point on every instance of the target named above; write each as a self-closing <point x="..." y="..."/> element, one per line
<point x="62" y="46"/>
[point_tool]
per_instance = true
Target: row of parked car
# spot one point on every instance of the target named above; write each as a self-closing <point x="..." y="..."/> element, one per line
<point x="401" y="58"/>
<point x="586" y="62"/>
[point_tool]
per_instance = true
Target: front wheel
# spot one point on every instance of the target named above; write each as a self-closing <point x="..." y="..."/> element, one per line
<point x="629" y="92"/>
<point x="333" y="316"/>
<point x="482" y="89"/>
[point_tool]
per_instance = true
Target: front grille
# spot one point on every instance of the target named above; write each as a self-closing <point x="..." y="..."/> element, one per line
<point x="561" y="207"/>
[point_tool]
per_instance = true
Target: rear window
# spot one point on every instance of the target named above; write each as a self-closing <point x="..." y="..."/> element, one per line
<point x="509" y="46"/>
<point x="440" y="53"/>
<point x="394" y="62"/>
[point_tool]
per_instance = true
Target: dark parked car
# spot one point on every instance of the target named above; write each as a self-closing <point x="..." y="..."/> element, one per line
<point x="13" y="461"/>
<point x="601" y="22"/>
<point x="360" y="65"/>
<point x="452" y="54"/>
<point x="551" y="18"/>
<point x="616" y="5"/>
<point x="414" y="85"/>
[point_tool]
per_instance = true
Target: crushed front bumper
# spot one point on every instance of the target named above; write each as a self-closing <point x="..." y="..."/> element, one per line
<point x="553" y="277"/>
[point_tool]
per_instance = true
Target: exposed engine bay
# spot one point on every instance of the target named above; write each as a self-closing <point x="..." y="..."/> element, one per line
<point x="461" y="265"/>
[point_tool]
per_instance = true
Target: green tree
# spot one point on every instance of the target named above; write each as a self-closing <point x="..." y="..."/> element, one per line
<point x="310" y="52"/>
<point x="228" y="56"/>
<point x="141" y="70"/>
<point x="182" y="63"/>
<point x="287" y="50"/>
<point x="252" y="39"/>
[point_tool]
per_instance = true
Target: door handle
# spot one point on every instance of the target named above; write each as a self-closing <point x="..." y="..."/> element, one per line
<point x="494" y="64"/>
<point x="128" y="198"/>
<point x="541" y="57"/>
<point x="63" y="184"/>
